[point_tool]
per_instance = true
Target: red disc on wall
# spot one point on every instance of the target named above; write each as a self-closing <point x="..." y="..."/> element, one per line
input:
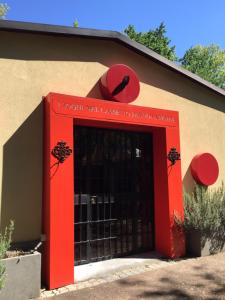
<point x="120" y="83"/>
<point x="205" y="169"/>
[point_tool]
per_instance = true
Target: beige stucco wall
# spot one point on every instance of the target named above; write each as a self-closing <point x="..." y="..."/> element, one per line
<point x="31" y="66"/>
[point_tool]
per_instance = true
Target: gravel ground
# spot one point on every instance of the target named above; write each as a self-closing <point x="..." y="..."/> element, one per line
<point x="201" y="278"/>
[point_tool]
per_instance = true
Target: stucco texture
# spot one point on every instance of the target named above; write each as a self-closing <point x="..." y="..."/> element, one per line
<point x="32" y="65"/>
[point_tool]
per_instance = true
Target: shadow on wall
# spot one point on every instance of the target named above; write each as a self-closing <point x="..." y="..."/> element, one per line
<point x="154" y="75"/>
<point x="188" y="181"/>
<point x="95" y="91"/>
<point x="37" y="47"/>
<point x="22" y="178"/>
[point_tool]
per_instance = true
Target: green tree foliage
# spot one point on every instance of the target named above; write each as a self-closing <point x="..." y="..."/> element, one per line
<point x="75" y="24"/>
<point x="208" y="62"/>
<point x="3" y="10"/>
<point x="155" y="40"/>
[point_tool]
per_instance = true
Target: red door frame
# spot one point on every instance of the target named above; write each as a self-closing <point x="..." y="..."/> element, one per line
<point x="62" y="112"/>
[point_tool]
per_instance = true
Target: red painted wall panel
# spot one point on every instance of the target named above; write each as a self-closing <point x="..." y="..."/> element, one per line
<point x="162" y="232"/>
<point x="175" y="196"/>
<point x="59" y="205"/>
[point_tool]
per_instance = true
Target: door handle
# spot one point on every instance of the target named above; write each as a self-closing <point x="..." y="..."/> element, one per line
<point x="93" y="199"/>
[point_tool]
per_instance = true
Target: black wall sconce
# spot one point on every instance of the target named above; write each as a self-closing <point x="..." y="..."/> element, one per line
<point x="61" y="151"/>
<point x="173" y="156"/>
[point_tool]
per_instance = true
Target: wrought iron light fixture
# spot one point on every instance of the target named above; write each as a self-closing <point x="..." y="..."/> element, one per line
<point x="173" y="156"/>
<point x="61" y="151"/>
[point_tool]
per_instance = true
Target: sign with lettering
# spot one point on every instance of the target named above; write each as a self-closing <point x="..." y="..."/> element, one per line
<point x="87" y="108"/>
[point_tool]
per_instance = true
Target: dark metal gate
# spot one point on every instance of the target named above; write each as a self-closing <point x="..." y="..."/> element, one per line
<point x="113" y="193"/>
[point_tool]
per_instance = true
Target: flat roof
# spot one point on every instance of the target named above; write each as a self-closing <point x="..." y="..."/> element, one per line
<point x="118" y="37"/>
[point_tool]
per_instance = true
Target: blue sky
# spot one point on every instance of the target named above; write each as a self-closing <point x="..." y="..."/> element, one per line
<point x="188" y="22"/>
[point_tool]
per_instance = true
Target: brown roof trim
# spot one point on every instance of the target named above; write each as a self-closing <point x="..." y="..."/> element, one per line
<point x="107" y="35"/>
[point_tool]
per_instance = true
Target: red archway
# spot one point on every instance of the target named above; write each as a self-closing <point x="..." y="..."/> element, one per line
<point x="62" y="113"/>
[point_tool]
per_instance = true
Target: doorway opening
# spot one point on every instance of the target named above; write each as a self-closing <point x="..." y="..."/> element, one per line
<point x="114" y="195"/>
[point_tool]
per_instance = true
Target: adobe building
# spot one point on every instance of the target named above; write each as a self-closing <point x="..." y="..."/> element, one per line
<point x="98" y="137"/>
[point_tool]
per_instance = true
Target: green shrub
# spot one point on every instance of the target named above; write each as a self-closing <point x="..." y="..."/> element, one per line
<point x="204" y="209"/>
<point x="5" y="242"/>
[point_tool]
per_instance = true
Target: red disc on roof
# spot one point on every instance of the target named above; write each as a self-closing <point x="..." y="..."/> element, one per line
<point x="205" y="169"/>
<point x="120" y="83"/>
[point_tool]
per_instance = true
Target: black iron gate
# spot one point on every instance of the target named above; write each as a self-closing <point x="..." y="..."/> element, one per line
<point x="113" y="193"/>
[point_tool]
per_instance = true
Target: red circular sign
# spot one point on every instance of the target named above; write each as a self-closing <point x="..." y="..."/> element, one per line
<point x="205" y="169"/>
<point x="120" y="83"/>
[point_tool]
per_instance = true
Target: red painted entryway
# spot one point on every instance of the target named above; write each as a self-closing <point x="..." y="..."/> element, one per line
<point x="63" y="114"/>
